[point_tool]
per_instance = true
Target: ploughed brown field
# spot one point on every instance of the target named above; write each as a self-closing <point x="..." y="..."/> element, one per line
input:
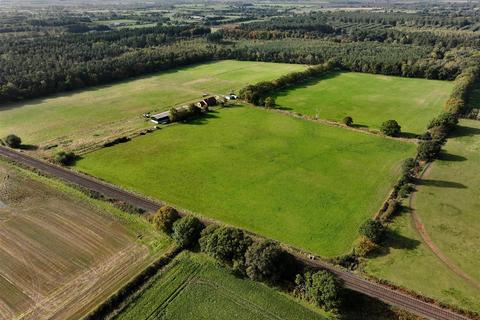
<point x="60" y="255"/>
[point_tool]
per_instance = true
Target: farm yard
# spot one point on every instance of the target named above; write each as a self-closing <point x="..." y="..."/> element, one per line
<point x="62" y="253"/>
<point x="193" y="285"/>
<point x="300" y="182"/>
<point x="78" y="118"/>
<point x="369" y="99"/>
<point x="447" y="203"/>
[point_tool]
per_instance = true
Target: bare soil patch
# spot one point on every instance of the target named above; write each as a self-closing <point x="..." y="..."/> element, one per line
<point x="60" y="256"/>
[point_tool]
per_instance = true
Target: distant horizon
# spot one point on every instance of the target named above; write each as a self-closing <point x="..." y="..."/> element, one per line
<point x="371" y="3"/>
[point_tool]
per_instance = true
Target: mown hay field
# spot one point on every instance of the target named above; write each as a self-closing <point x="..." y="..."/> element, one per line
<point x="60" y="253"/>
<point x="195" y="287"/>
<point x="370" y="99"/>
<point x="296" y="181"/>
<point x="97" y="113"/>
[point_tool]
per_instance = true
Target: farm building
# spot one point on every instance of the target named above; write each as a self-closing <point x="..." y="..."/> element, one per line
<point x="160" y="118"/>
<point x="207" y="102"/>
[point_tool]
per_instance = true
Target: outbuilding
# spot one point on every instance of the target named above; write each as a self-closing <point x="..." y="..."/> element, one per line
<point x="210" y="101"/>
<point x="161" y="118"/>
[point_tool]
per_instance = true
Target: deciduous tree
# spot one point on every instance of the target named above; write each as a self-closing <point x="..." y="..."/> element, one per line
<point x="186" y="231"/>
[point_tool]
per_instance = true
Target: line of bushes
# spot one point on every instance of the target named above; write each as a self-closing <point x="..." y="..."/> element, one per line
<point x="116" y="141"/>
<point x="258" y="93"/>
<point x="256" y="258"/>
<point x="438" y="129"/>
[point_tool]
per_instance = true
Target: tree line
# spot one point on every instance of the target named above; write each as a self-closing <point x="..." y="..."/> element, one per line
<point x="258" y="93"/>
<point x="369" y="57"/>
<point x="258" y="259"/>
<point x="36" y="67"/>
<point x="39" y="66"/>
<point x="406" y="28"/>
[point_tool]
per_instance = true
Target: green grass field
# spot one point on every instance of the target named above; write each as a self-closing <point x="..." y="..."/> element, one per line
<point x="409" y="263"/>
<point x="194" y="287"/>
<point x="92" y="114"/>
<point x="296" y="181"/>
<point x="448" y="203"/>
<point x="370" y="99"/>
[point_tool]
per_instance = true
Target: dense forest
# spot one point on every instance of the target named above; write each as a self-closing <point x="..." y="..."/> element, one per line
<point x="418" y="29"/>
<point x="61" y="51"/>
<point x="54" y="64"/>
<point x="371" y="57"/>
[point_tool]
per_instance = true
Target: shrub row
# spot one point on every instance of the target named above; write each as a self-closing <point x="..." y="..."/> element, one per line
<point x="456" y="105"/>
<point x="262" y="260"/>
<point x="257" y="93"/>
<point x="258" y="259"/>
<point x="116" y="141"/>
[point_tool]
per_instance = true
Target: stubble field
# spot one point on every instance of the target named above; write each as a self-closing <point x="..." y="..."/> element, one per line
<point x="62" y="255"/>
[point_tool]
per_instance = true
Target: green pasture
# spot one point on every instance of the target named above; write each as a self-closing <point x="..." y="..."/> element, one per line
<point x="409" y="263"/>
<point x="369" y="99"/>
<point x="448" y="204"/>
<point x="300" y="182"/>
<point x="194" y="287"/>
<point x="112" y="109"/>
<point x="448" y="201"/>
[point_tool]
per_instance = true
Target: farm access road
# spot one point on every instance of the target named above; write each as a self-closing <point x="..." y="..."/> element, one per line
<point x="350" y="280"/>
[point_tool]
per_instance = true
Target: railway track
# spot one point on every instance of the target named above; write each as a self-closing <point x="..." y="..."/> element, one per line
<point x="350" y="280"/>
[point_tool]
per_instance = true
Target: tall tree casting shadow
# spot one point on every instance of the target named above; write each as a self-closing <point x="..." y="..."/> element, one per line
<point x="441" y="184"/>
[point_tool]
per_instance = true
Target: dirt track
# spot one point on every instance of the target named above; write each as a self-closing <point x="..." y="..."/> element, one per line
<point x="420" y="227"/>
<point x="351" y="281"/>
